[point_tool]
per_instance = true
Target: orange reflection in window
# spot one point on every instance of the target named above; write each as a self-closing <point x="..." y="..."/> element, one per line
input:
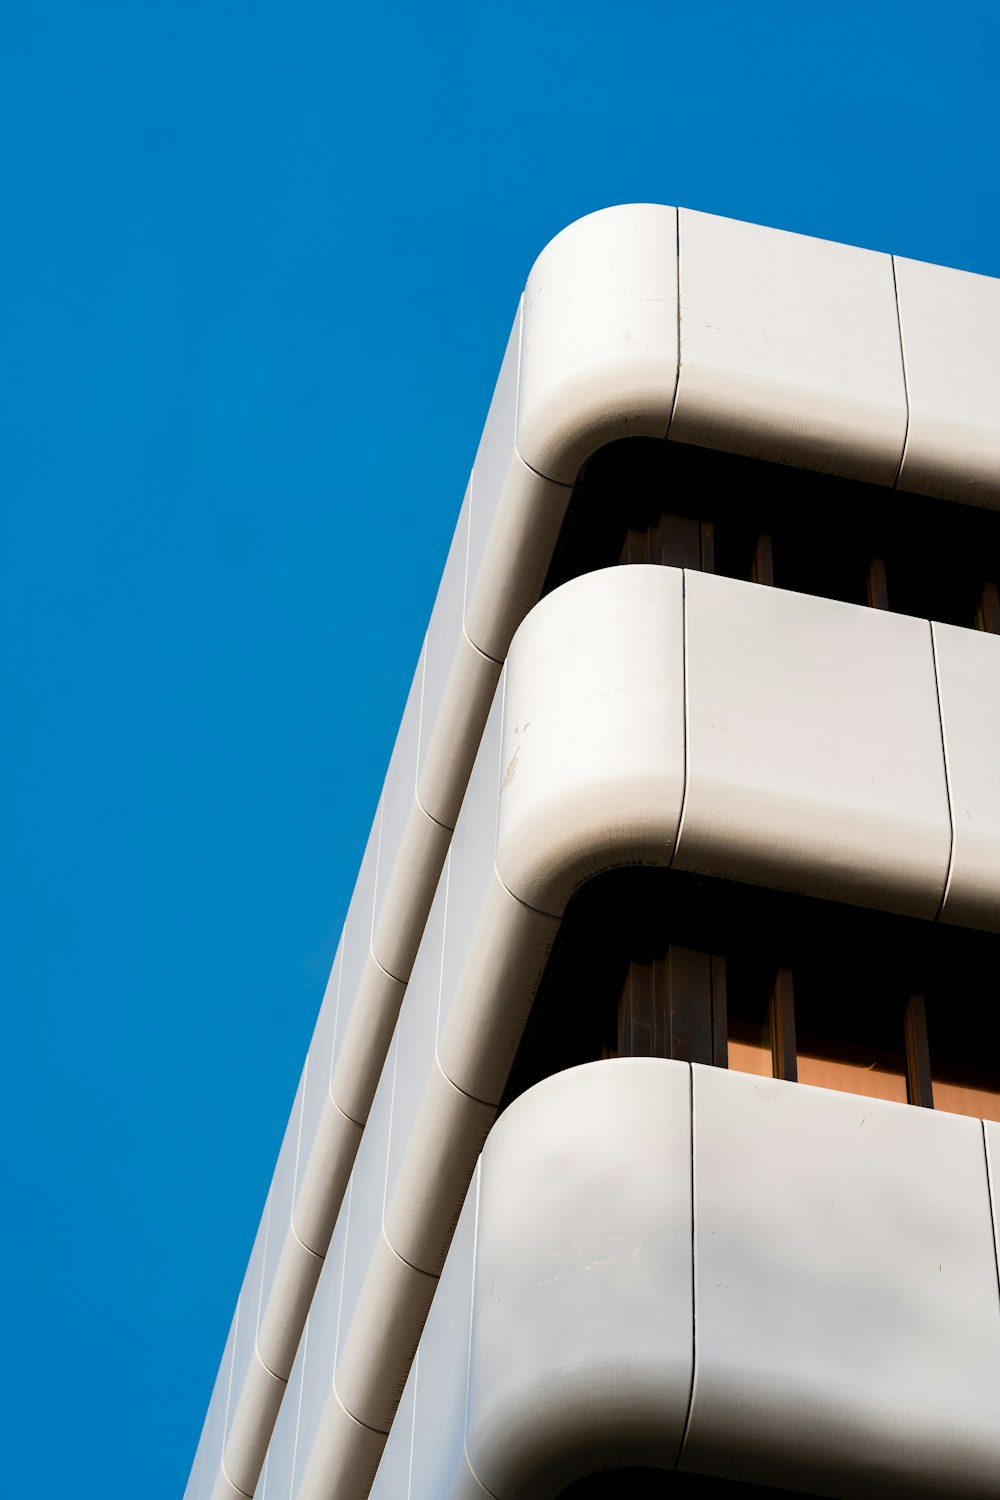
<point x="960" y="1099"/>
<point x="749" y="1057"/>
<point x="852" y="1078"/>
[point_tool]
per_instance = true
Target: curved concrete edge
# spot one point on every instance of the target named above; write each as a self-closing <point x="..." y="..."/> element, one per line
<point x="968" y="673"/>
<point x="593" y="355"/>
<point x="789" y="350"/>
<point x="596" y="680"/>
<point x="593" y="733"/>
<point x="773" y="1329"/>
<point x="796" y="741"/>
<point x="950" y="329"/>
<point x="599" y="338"/>
<point x="848" y="1330"/>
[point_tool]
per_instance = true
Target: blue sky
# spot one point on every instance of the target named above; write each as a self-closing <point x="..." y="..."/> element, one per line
<point x="259" y="265"/>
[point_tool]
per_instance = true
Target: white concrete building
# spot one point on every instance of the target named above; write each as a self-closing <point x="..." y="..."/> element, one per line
<point x="687" y="865"/>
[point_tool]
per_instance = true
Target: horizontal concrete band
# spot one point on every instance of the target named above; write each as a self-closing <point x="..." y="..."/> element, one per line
<point x="793" y="350"/>
<point x="736" y="1277"/>
<point x="646" y="716"/>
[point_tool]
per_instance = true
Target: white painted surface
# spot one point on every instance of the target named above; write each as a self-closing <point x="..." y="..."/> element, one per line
<point x="599" y="337"/>
<point x="440" y="1465"/>
<point x="514" y="522"/>
<point x="814" y="748"/>
<point x="317" y="1352"/>
<point x="789" y="349"/>
<point x="992" y="1139"/>
<point x="342" y="1460"/>
<point x="459" y="682"/>
<point x="412" y="847"/>
<point x="208" y="1459"/>
<point x="495" y="947"/>
<point x="251" y="1421"/>
<point x="247" y="1397"/>
<point x="593" y="733"/>
<point x="368" y="1011"/>
<point x="848" y="1326"/>
<point x="437" y="1131"/>
<point x="392" y="1481"/>
<point x="328" y="1139"/>
<point x="383" y="1300"/>
<point x="950" y="326"/>
<point x="315" y="1103"/>
<point x="968" y="667"/>
<point x="841" y="386"/>
<point x="582" y="1313"/>
<point x="276" y="1479"/>
<point x="369" y="997"/>
<point x="290" y="1268"/>
<point x="223" y="1488"/>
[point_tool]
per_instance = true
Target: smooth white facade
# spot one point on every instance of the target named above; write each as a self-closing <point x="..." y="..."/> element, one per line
<point x="641" y="715"/>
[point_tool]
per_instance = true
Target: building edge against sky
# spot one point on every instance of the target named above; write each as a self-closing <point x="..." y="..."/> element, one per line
<point x="604" y="749"/>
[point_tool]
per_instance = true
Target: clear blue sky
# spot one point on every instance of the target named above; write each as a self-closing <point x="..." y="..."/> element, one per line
<point x="259" y="264"/>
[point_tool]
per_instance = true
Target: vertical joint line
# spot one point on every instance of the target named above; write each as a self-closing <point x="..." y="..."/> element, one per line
<point x="991" y="1197"/>
<point x="947" y="776"/>
<point x="677" y="382"/>
<point x="684" y="694"/>
<point x="902" y="361"/>
<point x="694" y="1289"/>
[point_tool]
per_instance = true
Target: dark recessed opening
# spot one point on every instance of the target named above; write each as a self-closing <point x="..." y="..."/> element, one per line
<point x="661" y="963"/>
<point x="649" y="500"/>
<point x="664" y="1484"/>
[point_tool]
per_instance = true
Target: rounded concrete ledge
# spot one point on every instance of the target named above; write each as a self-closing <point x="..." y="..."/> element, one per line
<point x="644" y="320"/>
<point x="703" y="1270"/>
<point x="599" y="339"/>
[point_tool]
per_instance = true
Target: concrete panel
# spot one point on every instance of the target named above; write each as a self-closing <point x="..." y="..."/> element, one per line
<point x="412" y="847"/>
<point x="814" y="748"/>
<point x="323" y="1176"/>
<point x="224" y="1489"/>
<point x="380" y="1330"/>
<point x="789" y="349"/>
<point x="514" y="520"/>
<point x="593" y="733"/>
<point x="495" y="947"/>
<point x="365" y="988"/>
<point x="459" y="683"/>
<point x="343" y="1459"/>
<point x="245" y="1393"/>
<point x="599" y="338"/>
<point x="328" y="1140"/>
<point x="290" y="1269"/>
<point x="369" y="999"/>
<point x="848" y="1326"/>
<point x="581" y="1348"/>
<point x="991" y="1133"/>
<point x="437" y="1131"/>
<point x="383" y="1300"/>
<point x="319" y="1349"/>
<point x="440" y="1467"/>
<point x="319" y="1060"/>
<point x="968" y="670"/>
<point x="392" y="1481"/>
<point x="950" y="326"/>
<point x="276" y="1479"/>
<point x="251" y="1423"/>
<point x="368" y="1015"/>
<point x="208" y="1458"/>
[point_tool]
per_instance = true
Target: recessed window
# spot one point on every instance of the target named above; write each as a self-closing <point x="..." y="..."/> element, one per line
<point x="664" y="1484"/>
<point x="644" y="500"/>
<point x="665" y="964"/>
